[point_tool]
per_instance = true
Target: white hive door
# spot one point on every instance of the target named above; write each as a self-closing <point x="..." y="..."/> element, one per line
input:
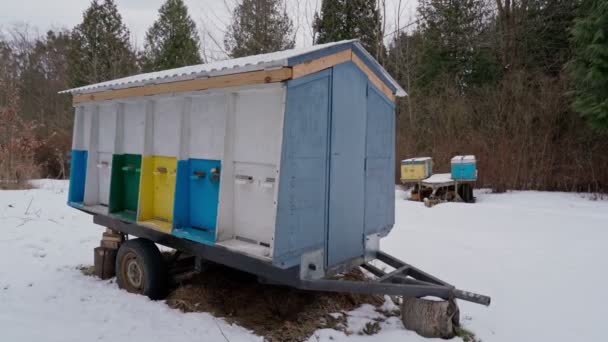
<point x="254" y="206"/>
<point x="257" y="140"/>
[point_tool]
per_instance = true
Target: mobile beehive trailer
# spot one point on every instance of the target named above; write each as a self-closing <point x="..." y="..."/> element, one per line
<point x="281" y="165"/>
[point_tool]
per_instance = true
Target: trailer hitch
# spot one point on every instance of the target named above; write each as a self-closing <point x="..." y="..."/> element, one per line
<point x="405" y="280"/>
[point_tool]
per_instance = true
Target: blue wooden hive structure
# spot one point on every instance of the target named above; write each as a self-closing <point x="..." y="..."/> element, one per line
<point x="286" y="157"/>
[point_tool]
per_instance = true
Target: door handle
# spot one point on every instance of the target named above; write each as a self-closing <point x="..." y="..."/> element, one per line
<point x="198" y="175"/>
<point x="243" y="179"/>
<point x="160" y="170"/>
<point x="268" y="183"/>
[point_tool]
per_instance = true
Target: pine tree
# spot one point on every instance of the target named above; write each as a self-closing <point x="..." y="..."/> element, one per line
<point x="100" y="48"/>
<point x="259" y="26"/>
<point x="589" y="66"/>
<point x="172" y="41"/>
<point x="349" y="19"/>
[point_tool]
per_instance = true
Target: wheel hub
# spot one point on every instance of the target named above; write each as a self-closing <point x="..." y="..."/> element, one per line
<point x="134" y="273"/>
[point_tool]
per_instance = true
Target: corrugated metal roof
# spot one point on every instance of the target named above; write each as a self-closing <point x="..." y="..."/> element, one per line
<point x="238" y="65"/>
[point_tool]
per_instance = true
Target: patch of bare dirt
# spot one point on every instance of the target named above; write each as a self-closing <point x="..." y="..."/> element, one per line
<point x="278" y="313"/>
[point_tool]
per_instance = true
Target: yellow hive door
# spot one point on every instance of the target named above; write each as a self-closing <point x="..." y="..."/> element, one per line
<point x="158" y="192"/>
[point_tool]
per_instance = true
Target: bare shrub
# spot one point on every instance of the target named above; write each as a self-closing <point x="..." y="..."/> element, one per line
<point x="18" y="143"/>
<point x="522" y="131"/>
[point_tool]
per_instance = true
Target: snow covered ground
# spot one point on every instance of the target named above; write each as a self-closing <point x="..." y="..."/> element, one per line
<point x="543" y="257"/>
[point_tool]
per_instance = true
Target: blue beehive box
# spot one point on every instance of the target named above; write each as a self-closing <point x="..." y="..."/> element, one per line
<point x="464" y="168"/>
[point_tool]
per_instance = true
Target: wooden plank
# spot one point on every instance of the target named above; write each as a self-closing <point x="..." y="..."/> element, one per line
<point x="253" y="77"/>
<point x="322" y="63"/>
<point x="373" y="77"/>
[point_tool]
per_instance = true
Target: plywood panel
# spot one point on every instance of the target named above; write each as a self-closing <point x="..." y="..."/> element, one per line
<point x="302" y="199"/>
<point x="346" y="184"/>
<point x="380" y="165"/>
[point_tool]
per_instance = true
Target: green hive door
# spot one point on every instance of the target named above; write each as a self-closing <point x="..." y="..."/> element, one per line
<point x="124" y="192"/>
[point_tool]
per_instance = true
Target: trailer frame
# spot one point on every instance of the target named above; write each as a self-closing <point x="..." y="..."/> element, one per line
<point x="405" y="279"/>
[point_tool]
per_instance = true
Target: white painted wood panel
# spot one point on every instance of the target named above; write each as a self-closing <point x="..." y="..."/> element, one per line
<point x="254" y="210"/>
<point x="167" y="126"/>
<point x="258" y="126"/>
<point x="104" y="172"/>
<point x="250" y="165"/>
<point x="78" y="130"/>
<point x="107" y="127"/>
<point x="225" y="225"/>
<point x="87" y="126"/>
<point x="207" y="127"/>
<point x="133" y="127"/>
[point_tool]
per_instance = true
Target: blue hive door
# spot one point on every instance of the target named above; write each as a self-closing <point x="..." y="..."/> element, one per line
<point x="196" y="200"/>
<point x="204" y="193"/>
<point x="347" y="165"/>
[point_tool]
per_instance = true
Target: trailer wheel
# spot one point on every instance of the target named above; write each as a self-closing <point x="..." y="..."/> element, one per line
<point x="140" y="268"/>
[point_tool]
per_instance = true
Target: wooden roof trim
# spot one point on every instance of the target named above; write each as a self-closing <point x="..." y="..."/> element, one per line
<point x="321" y="63"/>
<point x="233" y="80"/>
<point x="374" y="78"/>
<point x="224" y="81"/>
<point x="328" y="61"/>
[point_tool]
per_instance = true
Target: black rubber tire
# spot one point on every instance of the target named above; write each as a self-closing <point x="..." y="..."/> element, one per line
<point x="151" y="269"/>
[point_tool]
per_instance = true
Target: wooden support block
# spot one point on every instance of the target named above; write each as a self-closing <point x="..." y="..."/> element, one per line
<point x="110" y="244"/>
<point x="112" y="239"/>
<point x="105" y="258"/>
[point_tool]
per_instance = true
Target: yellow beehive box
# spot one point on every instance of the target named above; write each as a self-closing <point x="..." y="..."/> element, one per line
<point x="157" y="190"/>
<point x="415" y="169"/>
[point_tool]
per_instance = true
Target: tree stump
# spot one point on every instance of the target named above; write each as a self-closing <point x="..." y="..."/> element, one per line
<point x="430" y="318"/>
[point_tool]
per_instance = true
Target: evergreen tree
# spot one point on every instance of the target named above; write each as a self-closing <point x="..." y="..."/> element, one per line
<point x="259" y="26"/>
<point x="100" y="48"/>
<point x="349" y="19"/>
<point x="172" y="41"/>
<point x="589" y="66"/>
<point x="456" y="43"/>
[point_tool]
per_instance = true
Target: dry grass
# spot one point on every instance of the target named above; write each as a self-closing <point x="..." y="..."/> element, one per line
<point x="15" y="185"/>
<point x="275" y="312"/>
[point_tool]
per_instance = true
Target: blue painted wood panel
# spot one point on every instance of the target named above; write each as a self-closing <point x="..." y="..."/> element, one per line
<point x="204" y="193"/>
<point x="78" y="172"/>
<point x="302" y="199"/>
<point x="380" y="167"/>
<point x="196" y="200"/>
<point x="345" y="238"/>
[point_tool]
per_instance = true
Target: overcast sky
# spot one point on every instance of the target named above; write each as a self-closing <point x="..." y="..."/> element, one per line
<point x="211" y="16"/>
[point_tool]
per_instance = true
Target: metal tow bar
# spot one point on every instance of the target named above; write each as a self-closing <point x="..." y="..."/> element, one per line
<point x="406" y="280"/>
